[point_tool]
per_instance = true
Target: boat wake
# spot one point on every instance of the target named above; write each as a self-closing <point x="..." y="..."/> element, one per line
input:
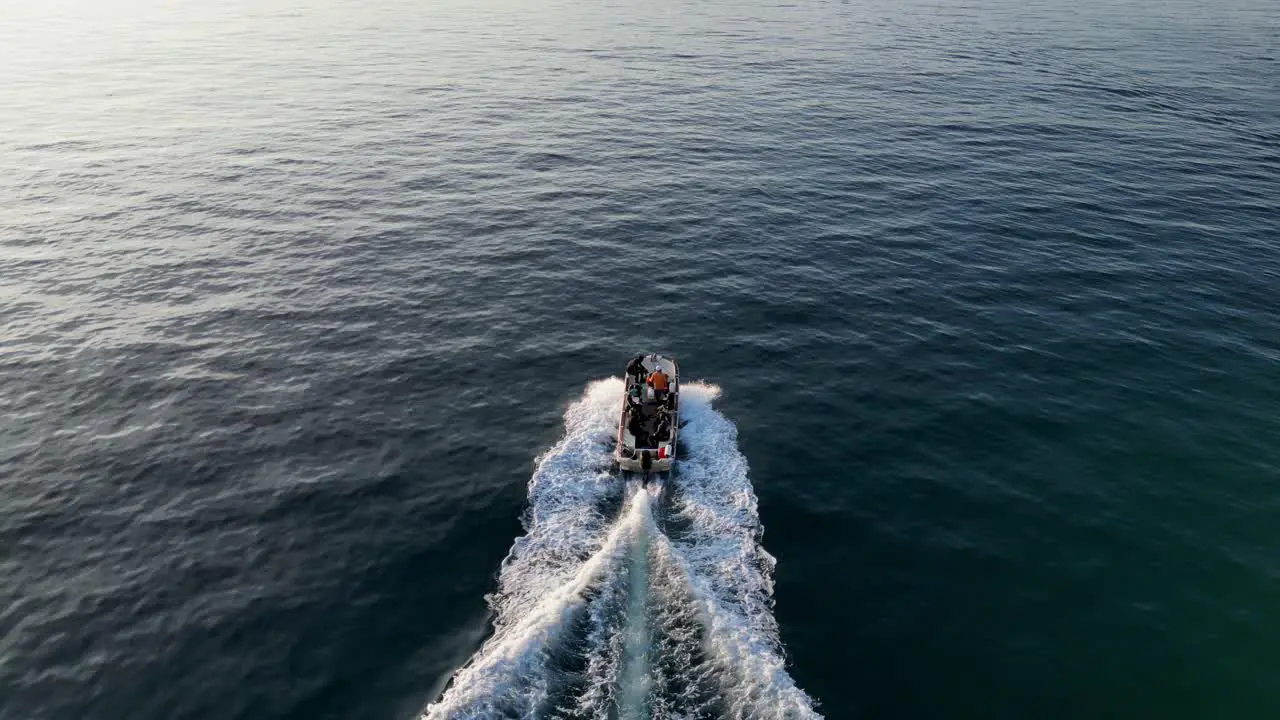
<point x="600" y="613"/>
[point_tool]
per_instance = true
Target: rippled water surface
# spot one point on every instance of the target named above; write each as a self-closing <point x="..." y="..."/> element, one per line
<point x="982" y="296"/>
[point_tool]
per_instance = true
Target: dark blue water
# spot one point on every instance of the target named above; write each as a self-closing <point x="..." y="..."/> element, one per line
<point x="982" y="296"/>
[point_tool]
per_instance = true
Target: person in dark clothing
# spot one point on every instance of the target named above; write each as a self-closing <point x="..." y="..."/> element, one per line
<point x="636" y="427"/>
<point x="636" y="367"/>
<point x="663" y="432"/>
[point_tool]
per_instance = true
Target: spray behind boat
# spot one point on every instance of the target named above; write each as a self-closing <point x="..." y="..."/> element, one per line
<point x="628" y="601"/>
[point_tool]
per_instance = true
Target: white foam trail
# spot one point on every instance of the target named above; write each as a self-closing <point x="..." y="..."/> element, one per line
<point x="729" y="573"/>
<point x="615" y="663"/>
<point x="604" y="648"/>
<point x="633" y="682"/>
<point x="543" y="579"/>
<point x="714" y="583"/>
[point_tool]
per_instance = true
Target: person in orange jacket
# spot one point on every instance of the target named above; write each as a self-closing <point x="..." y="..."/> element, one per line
<point x="658" y="381"/>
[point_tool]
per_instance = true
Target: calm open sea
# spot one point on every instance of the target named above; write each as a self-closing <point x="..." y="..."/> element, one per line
<point x="310" y="312"/>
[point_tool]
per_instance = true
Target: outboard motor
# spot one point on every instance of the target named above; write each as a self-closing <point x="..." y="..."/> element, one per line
<point x="646" y="462"/>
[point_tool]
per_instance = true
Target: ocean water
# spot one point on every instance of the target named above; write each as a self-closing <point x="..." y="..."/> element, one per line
<point x="311" y="314"/>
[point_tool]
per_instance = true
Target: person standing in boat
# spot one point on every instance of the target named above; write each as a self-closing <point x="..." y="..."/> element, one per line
<point x="659" y="382"/>
<point x="636" y="367"/>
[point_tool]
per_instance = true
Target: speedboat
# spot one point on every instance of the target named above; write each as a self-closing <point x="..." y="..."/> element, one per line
<point x="650" y="417"/>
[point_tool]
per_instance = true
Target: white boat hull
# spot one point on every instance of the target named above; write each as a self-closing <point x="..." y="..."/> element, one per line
<point x="649" y="423"/>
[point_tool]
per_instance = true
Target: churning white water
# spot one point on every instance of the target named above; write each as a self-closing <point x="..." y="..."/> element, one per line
<point x="600" y="614"/>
